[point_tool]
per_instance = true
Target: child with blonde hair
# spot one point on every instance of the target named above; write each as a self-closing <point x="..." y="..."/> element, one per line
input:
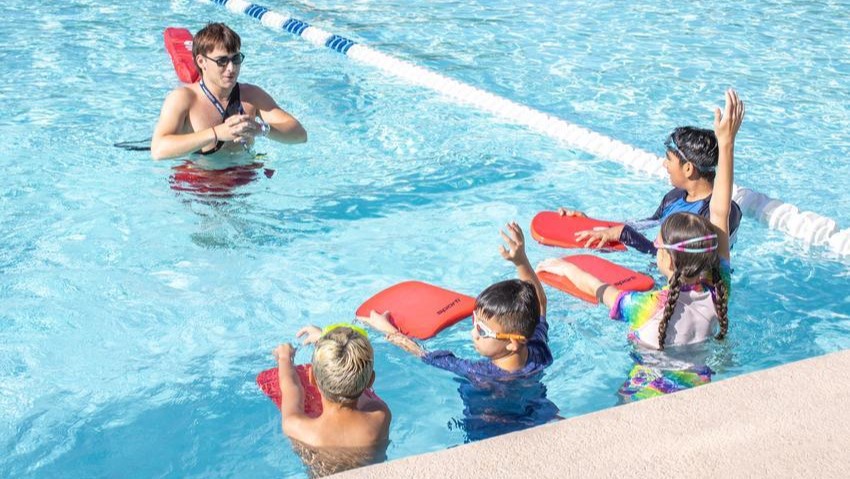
<point x="353" y="428"/>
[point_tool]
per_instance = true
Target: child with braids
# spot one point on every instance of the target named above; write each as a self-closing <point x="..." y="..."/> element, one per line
<point x="692" y="253"/>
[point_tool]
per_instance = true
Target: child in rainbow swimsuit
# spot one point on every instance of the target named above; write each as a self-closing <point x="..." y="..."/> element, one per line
<point x="694" y="256"/>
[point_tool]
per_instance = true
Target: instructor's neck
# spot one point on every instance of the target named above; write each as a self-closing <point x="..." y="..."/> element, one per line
<point x="222" y="94"/>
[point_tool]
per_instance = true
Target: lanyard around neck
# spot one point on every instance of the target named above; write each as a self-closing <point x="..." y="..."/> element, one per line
<point x="217" y="104"/>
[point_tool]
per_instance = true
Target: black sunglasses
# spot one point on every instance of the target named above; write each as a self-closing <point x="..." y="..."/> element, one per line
<point x="222" y="62"/>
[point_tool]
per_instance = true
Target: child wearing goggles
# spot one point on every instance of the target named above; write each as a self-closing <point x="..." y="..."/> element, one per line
<point x="502" y="392"/>
<point x="691" y="160"/>
<point x="342" y="372"/>
<point x="508" y="326"/>
<point x="694" y="256"/>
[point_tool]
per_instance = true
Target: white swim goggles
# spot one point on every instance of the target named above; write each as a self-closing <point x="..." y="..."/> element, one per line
<point x="681" y="245"/>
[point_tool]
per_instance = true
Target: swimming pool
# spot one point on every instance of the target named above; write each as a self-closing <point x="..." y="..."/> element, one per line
<point x="136" y="317"/>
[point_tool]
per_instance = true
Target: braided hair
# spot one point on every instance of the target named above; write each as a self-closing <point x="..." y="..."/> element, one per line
<point x="721" y="302"/>
<point x="680" y="227"/>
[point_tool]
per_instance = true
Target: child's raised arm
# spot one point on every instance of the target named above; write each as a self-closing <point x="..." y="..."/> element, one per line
<point x="725" y="127"/>
<point x="291" y="410"/>
<point x="515" y="253"/>
<point x="382" y="323"/>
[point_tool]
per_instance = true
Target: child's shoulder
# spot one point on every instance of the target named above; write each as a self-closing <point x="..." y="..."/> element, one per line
<point x="638" y="306"/>
<point x="369" y="402"/>
<point x="303" y="429"/>
<point x="373" y="423"/>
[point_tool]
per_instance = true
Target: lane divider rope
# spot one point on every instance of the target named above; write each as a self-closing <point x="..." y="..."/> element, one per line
<point x="808" y="226"/>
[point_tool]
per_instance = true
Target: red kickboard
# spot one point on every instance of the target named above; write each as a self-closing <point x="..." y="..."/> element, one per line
<point x="551" y="229"/>
<point x="622" y="278"/>
<point x="178" y="43"/>
<point x="269" y="383"/>
<point x="418" y="309"/>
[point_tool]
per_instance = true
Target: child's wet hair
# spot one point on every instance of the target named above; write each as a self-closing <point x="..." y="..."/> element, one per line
<point x="512" y="304"/>
<point x="684" y="226"/>
<point x="698" y="146"/>
<point x="342" y="364"/>
<point x="213" y="35"/>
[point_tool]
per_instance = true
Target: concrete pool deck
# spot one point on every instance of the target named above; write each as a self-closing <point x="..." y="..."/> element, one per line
<point x="788" y="421"/>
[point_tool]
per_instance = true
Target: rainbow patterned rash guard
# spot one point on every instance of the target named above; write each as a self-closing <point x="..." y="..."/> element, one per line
<point x="694" y="318"/>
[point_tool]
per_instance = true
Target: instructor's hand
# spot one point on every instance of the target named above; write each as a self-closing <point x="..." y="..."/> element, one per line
<point x="238" y="128"/>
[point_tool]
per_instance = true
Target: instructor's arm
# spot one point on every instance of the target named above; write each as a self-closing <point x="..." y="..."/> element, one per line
<point x="285" y="128"/>
<point x="167" y="141"/>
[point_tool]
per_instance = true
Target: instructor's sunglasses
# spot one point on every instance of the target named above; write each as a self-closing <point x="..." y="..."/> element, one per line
<point x="222" y="62"/>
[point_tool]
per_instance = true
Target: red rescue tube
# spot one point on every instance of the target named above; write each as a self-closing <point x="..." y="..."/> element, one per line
<point x="178" y="43"/>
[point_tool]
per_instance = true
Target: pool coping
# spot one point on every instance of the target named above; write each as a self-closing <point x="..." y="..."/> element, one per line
<point x="787" y="421"/>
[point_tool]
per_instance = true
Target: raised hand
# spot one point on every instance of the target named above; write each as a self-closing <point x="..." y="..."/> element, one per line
<point x="283" y="352"/>
<point x="515" y="251"/>
<point x="726" y="125"/>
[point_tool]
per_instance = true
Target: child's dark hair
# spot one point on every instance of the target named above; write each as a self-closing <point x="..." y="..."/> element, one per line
<point x="684" y="226"/>
<point x="695" y="145"/>
<point x="513" y="304"/>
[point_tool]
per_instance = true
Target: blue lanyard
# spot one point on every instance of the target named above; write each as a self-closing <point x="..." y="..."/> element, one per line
<point x="216" y="103"/>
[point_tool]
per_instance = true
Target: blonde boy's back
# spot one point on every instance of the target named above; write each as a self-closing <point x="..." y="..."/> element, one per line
<point x="343" y="372"/>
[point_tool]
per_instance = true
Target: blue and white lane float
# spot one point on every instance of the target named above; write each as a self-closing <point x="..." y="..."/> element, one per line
<point x="808" y="226"/>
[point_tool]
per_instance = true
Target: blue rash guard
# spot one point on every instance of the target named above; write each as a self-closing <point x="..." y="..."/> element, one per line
<point x="674" y="202"/>
<point x="497" y="401"/>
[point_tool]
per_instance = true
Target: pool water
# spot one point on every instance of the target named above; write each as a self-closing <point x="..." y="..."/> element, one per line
<point x="137" y="314"/>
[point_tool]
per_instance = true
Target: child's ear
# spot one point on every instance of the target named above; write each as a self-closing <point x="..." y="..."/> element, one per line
<point x="690" y="171"/>
<point x="513" y="345"/>
<point x="371" y="380"/>
<point x="668" y="261"/>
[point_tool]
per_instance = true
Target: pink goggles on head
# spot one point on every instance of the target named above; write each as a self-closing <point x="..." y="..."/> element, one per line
<point x="680" y="246"/>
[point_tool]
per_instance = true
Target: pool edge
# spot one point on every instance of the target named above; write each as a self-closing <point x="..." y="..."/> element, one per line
<point x="779" y="422"/>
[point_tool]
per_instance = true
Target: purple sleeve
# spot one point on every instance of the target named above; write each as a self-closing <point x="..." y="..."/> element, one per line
<point x="447" y="360"/>
<point x="631" y="237"/>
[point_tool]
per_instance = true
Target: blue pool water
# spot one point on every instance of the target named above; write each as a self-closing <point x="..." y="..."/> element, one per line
<point x="135" y="317"/>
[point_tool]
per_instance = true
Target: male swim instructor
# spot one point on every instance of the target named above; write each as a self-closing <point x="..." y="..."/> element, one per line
<point x="217" y="113"/>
